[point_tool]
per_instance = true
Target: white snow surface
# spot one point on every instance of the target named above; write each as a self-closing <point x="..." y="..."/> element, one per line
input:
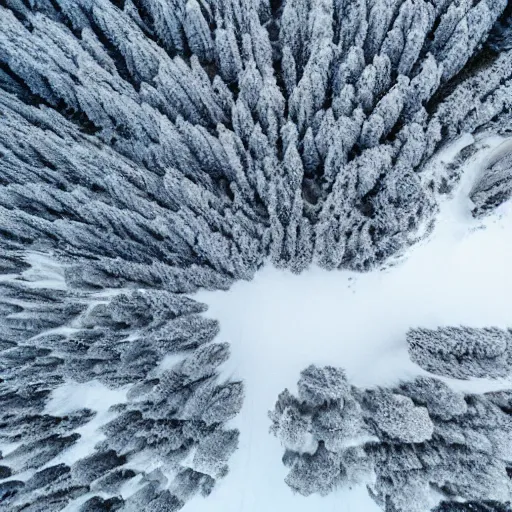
<point x="280" y="323"/>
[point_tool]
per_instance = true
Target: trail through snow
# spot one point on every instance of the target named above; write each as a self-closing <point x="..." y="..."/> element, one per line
<point x="279" y="323"/>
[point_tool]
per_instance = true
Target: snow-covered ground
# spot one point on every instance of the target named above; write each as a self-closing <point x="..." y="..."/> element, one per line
<point x="279" y="323"/>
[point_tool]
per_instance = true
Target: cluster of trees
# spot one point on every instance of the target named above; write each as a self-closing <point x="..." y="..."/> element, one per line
<point x="494" y="185"/>
<point x="417" y="446"/>
<point x="462" y="352"/>
<point x="234" y="131"/>
<point x="173" y="416"/>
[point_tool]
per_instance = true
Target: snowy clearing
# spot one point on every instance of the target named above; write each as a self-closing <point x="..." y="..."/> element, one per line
<point x="279" y="323"/>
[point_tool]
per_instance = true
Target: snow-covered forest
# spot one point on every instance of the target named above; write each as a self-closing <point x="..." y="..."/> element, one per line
<point x="416" y="444"/>
<point x="156" y="156"/>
